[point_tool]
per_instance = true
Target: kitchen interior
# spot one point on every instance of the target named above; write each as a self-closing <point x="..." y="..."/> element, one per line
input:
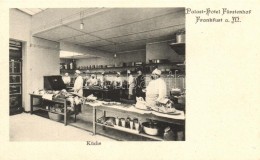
<point x="47" y="43"/>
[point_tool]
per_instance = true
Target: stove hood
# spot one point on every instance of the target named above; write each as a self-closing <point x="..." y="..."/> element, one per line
<point x="53" y="83"/>
<point x="179" y="48"/>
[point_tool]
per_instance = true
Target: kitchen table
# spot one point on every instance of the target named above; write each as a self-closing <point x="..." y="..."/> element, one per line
<point x="55" y="101"/>
<point x="132" y="111"/>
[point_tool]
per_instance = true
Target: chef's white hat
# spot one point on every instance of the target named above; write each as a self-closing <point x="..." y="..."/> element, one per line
<point x="92" y="75"/>
<point x="157" y="71"/>
<point x="118" y="73"/>
<point x="77" y="71"/>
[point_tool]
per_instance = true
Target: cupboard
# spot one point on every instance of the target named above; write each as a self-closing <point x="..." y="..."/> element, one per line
<point x="15" y="77"/>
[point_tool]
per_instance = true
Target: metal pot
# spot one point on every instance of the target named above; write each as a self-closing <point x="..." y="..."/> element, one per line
<point x="158" y="61"/>
<point x="150" y="128"/>
<point x="55" y="116"/>
<point x="180" y="38"/>
<point x="181" y="99"/>
<point x="175" y="91"/>
<point x="138" y="63"/>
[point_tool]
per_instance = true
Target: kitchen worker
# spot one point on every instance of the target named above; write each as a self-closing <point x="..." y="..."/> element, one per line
<point x="92" y="81"/>
<point x="140" y="85"/>
<point x="103" y="79"/>
<point x="118" y="80"/>
<point x="156" y="89"/>
<point x="131" y="84"/>
<point x="78" y="84"/>
<point x="66" y="79"/>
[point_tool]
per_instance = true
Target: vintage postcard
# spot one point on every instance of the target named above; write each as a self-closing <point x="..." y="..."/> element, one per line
<point x="114" y="80"/>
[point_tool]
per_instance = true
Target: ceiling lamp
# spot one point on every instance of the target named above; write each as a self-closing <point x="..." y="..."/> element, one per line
<point x="115" y="51"/>
<point x="81" y="24"/>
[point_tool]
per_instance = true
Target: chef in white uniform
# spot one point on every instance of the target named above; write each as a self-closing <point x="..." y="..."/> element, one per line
<point x="131" y="84"/>
<point x="78" y="84"/>
<point x="103" y="79"/>
<point x="92" y="81"/>
<point x="118" y="80"/>
<point x="156" y="89"/>
<point x="66" y="79"/>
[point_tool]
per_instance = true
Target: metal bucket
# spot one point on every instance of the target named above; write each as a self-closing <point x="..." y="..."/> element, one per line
<point x="55" y="117"/>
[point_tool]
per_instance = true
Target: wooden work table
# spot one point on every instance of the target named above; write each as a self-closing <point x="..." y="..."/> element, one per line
<point x="55" y="101"/>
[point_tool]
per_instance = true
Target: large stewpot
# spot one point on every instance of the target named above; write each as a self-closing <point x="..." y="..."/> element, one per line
<point x="150" y="128"/>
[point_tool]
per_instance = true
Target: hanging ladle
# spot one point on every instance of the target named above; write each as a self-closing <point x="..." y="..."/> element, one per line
<point x="175" y="78"/>
<point x="175" y="90"/>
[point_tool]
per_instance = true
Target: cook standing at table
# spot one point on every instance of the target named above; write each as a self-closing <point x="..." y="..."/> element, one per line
<point x="156" y="89"/>
<point x="131" y="84"/>
<point x="92" y="81"/>
<point x="78" y="84"/>
<point x="66" y="79"/>
<point x="140" y="85"/>
<point x="118" y="80"/>
<point x="103" y="79"/>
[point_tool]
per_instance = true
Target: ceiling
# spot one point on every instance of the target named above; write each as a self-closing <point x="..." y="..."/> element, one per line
<point x="120" y="29"/>
<point x="32" y="11"/>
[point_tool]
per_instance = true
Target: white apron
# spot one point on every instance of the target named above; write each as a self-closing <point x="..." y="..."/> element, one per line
<point x="151" y="94"/>
<point x="92" y="82"/>
<point x="78" y="86"/>
<point x="131" y="84"/>
<point x="155" y="90"/>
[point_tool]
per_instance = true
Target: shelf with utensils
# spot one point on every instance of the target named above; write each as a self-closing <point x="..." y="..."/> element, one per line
<point x="133" y="112"/>
<point x="128" y="130"/>
<point x="146" y="68"/>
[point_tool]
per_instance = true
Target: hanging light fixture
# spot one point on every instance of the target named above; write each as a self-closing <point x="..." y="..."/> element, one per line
<point x="72" y="62"/>
<point x="81" y="19"/>
<point x="115" y="52"/>
<point x="82" y="25"/>
<point x="115" y="56"/>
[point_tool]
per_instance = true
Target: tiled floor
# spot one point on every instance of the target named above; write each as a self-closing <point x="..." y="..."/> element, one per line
<point x="26" y="127"/>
